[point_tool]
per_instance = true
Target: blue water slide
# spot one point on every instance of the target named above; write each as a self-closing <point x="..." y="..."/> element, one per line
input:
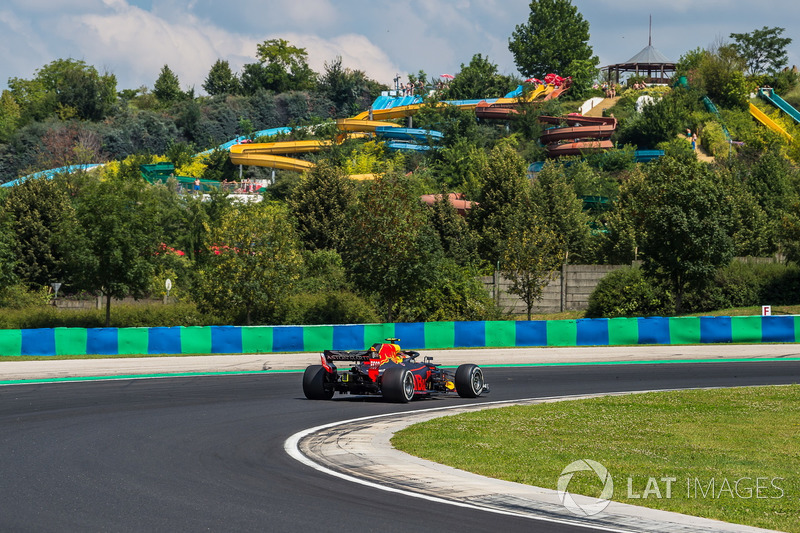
<point x="780" y="103"/>
<point x="408" y="134"/>
<point x="515" y="93"/>
<point x="406" y="146"/>
<point x="48" y="174"/>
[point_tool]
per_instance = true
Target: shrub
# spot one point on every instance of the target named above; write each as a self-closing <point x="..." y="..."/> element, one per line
<point x="627" y="292"/>
<point x="333" y="307"/>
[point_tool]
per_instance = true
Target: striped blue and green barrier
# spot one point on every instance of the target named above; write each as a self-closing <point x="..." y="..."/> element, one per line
<point x="417" y="335"/>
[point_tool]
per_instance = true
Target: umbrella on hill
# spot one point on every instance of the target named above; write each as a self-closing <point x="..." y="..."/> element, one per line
<point x="448" y="76"/>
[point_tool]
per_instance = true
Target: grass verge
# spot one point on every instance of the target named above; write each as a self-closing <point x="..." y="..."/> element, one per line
<point x="732" y="454"/>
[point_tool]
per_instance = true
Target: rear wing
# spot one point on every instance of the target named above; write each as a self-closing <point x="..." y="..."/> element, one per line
<point x="356" y="355"/>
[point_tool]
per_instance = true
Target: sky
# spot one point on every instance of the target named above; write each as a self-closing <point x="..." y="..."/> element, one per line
<point x="134" y="39"/>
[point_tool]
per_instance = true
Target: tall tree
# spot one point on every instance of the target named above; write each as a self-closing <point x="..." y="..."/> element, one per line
<point x="505" y="198"/>
<point x="532" y="255"/>
<point x="479" y="79"/>
<point x="764" y="50"/>
<point x="167" y="88"/>
<point x="221" y="79"/>
<point x="555" y="36"/>
<point x="686" y="226"/>
<point x="320" y="205"/>
<point x="254" y="261"/>
<point x="286" y="66"/>
<point x="110" y="249"/>
<point x="390" y="248"/>
<point x="37" y="209"/>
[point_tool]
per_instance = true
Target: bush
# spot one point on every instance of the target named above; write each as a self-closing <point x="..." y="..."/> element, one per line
<point x="334" y="307"/>
<point x="625" y="293"/>
<point x="743" y="284"/>
<point x="122" y="316"/>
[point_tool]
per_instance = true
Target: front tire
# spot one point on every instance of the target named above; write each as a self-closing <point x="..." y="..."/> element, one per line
<point x="316" y="383"/>
<point x="397" y="385"/>
<point x="469" y="381"/>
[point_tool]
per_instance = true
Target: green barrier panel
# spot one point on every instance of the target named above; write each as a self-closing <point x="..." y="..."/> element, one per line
<point x="378" y="333"/>
<point x="257" y="339"/>
<point x="623" y="331"/>
<point x="439" y="335"/>
<point x="684" y="330"/>
<point x="11" y="342"/>
<point x="562" y="333"/>
<point x="195" y="339"/>
<point x="746" y="329"/>
<point x="317" y="338"/>
<point x="501" y="333"/>
<point x="133" y="340"/>
<point x="70" y="341"/>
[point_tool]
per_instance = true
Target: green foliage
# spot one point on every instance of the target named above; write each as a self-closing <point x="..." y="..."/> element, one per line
<point x="657" y="123"/>
<point x="457" y="240"/>
<point x="35" y="213"/>
<point x="349" y="90"/>
<point x="125" y="316"/>
<point x="282" y="67"/>
<point x="254" y="260"/>
<point x="554" y="39"/>
<point x="764" y="50"/>
<point x="479" y="79"/>
<point x="504" y="199"/>
<point x="329" y="307"/>
<point x="109" y="247"/>
<point x="320" y="205"/>
<point x="167" y="88"/>
<point x="748" y="284"/>
<point x="221" y="79"/>
<point x="455" y="293"/>
<point x="626" y="292"/>
<point x="687" y="227"/>
<point x="389" y="247"/>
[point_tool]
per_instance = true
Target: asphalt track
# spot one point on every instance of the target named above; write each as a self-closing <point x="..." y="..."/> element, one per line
<point x="206" y="453"/>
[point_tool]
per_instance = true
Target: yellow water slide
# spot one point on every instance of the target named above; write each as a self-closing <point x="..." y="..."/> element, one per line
<point x="768" y="122"/>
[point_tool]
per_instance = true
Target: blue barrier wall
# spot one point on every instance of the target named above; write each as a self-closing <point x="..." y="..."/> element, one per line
<point x="418" y="336"/>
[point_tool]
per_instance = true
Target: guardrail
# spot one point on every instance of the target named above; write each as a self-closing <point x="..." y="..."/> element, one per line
<point x="417" y="335"/>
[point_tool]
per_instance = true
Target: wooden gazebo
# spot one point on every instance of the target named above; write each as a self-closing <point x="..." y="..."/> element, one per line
<point x="649" y="63"/>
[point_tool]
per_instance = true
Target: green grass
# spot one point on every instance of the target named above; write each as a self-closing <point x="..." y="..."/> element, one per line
<point x="696" y="437"/>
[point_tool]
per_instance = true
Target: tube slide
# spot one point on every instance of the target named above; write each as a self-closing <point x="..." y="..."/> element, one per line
<point x="581" y="135"/>
<point x="769" y="95"/>
<point x="768" y="122"/>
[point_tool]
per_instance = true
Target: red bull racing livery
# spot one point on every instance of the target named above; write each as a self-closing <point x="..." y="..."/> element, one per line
<point x="388" y="370"/>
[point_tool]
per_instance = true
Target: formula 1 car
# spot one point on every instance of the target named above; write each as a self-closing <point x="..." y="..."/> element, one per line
<point x="387" y="370"/>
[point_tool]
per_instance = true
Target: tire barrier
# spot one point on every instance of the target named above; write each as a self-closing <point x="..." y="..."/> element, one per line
<point x="415" y="336"/>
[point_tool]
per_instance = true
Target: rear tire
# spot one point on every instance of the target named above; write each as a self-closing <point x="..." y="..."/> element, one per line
<point x="397" y="385"/>
<point x="316" y="383"/>
<point x="469" y="381"/>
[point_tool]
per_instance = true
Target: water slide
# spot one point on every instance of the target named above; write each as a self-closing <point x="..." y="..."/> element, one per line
<point x="580" y="135"/>
<point x="769" y="95"/>
<point x="768" y="122"/>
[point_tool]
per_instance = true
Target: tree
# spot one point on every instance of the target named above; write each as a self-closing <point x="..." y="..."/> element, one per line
<point x="458" y="241"/>
<point x="110" y="248"/>
<point x="167" y="88"/>
<point x="347" y="88"/>
<point x="532" y="255"/>
<point x="479" y="79"/>
<point x="555" y="36"/>
<point x="320" y="205"/>
<point x="560" y="210"/>
<point x="221" y="79"/>
<point x="764" y="50"/>
<point x="505" y="198"/>
<point x="390" y="249"/>
<point x="36" y="210"/>
<point x="254" y="261"/>
<point x="285" y="66"/>
<point x="10" y="116"/>
<point x="686" y="225"/>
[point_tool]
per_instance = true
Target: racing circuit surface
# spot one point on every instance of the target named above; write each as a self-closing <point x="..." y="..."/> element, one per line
<point x="207" y="453"/>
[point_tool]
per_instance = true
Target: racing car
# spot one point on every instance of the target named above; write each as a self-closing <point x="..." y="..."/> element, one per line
<point x="387" y="370"/>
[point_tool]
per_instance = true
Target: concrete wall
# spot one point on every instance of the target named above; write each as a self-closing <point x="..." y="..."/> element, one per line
<point x="570" y="290"/>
